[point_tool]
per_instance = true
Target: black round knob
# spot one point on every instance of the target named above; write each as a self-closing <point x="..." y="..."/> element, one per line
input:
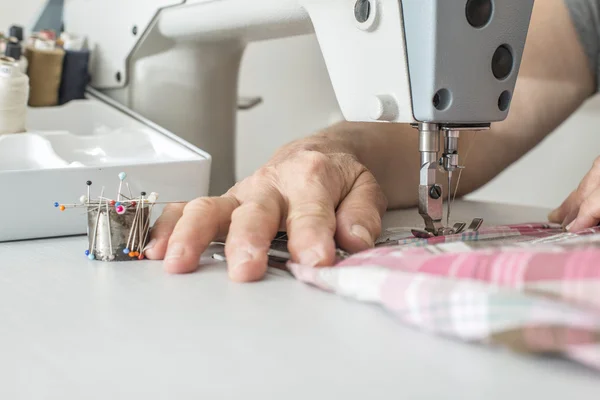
<point x="143" y="193"/>
<point x="504" y="100"/>
<point x="479" y="12"/>
<point x="435" y="192"/>
<point x="89" y="183"/>
<point x="502" y="62"/>
<point x="362" y="10"/>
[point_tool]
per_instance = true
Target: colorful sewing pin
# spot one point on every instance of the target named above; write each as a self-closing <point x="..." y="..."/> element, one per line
<point x="122" y="177"/>
<point x="96" y="229"/>
<point x="112" y="254"/>
<point x="89" y="184"/>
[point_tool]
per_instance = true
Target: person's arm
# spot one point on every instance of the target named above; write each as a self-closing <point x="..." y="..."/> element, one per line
<point x="334" y="187"/>
<point x="554" y="80"/>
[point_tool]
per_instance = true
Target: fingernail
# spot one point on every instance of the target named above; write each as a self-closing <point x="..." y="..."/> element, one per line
<point x="570" y="226"/>
<point x="241" y="257"/>
<point x="553" y="215"/>
<point x="175" y="251"/>
<point x="362" y="233"/>
<point x="150" y="245"/>
<point x="310" y="258"/>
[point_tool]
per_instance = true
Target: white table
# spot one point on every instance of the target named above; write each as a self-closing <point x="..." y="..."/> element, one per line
<point x="72" y="329"/>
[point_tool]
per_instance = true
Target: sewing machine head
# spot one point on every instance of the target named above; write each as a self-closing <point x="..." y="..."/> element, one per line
<point x="441" y="65"/>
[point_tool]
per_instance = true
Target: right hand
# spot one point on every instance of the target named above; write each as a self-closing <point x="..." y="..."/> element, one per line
<point x="318" y="196"/>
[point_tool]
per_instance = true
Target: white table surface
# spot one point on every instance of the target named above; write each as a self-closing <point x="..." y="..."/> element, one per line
<point x="75" y="329"/>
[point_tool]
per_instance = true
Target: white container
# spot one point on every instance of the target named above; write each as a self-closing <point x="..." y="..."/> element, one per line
<point x="93" y="139"/>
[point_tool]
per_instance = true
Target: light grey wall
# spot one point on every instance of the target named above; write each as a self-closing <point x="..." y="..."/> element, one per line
<point x="547" y="175"/>
<point x="22" y="12"/>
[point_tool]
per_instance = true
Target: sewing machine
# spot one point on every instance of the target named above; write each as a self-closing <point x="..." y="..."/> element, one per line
<point x="444" y="66"/>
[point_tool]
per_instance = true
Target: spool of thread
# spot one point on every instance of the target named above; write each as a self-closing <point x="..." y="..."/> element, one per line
<point x="44" y="44"/>
<point x="45" y="74"/>
<point x="75" y="76"/>
<point x="15" y="50"/>
<point x="32" y="39"/>
<point x="16" y="31"/>
<point x="72" y="42"/>
<point x="14" y="90"/>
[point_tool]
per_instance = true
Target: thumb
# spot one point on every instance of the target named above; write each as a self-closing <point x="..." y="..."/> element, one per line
<point x="589" y="213"/>
<point x="359" y="215"/>
<point x="562" y="212"/>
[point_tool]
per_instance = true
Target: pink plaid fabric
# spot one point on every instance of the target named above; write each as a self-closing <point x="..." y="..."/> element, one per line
<point x="532" y="288"/>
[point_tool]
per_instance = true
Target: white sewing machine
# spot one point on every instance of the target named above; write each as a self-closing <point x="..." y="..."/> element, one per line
<point x="442" y="65"/>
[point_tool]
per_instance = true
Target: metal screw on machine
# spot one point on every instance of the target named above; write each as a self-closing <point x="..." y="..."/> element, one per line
<point x="362" y="10"/>
<point x="435" y="192"/>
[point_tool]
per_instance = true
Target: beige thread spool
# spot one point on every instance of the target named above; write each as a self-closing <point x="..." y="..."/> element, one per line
<point x="45" y="73"/>
<point x="14" y="90"/>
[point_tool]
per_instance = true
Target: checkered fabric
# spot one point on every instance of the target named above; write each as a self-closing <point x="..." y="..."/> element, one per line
<point x="531" y="287"/>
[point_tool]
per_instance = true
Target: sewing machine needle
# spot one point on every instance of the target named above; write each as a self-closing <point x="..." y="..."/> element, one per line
<point x="449" y="192"/>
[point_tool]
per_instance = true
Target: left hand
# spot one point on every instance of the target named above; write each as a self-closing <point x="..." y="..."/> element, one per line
<point x="581" y="210"/>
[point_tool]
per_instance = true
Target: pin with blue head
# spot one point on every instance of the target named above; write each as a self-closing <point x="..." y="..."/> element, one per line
<point x="126" y="251"/>
<point x="87" y="253"/>
<point x="56" y="205"/>
<point x="122" y="177"/>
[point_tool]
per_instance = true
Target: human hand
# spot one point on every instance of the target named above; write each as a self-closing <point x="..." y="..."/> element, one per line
<point x="319" y="194"/>
<point x="581" y="209"/>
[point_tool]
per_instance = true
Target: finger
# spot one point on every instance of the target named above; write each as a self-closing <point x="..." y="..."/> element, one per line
<point x="570" y="216"/>
<point x="161" y="231"/>
<point x="311" y="225"/>
<point x="559" y="214"/>
<point x="253" y="226"/>
<point x="570" y="207"/>
<point x="202" y="221"/>
<point x="311" y="220"/>
<point x="589" y="213"/>
<point x="359" y="215"/>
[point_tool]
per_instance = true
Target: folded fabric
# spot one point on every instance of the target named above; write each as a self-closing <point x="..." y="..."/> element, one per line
<point x="532" y="288"/>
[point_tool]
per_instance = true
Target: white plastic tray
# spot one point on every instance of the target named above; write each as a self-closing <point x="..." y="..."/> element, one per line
<point x="93" y="139"/>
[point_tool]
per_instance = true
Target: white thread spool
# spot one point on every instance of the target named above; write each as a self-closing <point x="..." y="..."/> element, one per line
<point x="14" y="94"/>
<point x="44" y="44"/>
<point x="72" y="42"/>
